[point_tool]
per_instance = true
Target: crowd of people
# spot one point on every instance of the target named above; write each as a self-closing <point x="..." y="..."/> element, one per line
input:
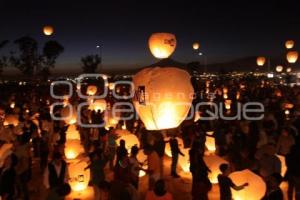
<point x="253" y="145"/>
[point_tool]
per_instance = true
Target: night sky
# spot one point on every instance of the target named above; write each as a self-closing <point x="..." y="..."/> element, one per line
<point x="225" y="31"/>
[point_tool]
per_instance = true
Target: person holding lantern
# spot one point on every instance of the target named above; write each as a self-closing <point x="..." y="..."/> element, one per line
<point x="175" y="153"/>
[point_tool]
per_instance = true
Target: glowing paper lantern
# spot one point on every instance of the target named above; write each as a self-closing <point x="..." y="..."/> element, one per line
<point x="162" y="102"/>
<point x="73" y="149"/>
<point x="87" y="194"/>
<point x="99" y="104"/>
<point x="288" y="70"/>
<point x="130" y="139"/>
<point x="91" y="90"/>
<point x="289" y="44"/>
<point x="162" y="45"/>
<point x="292" y="56"/>
<point x="288" y="105"/>
<point x="279" y="68"/>
<point x="5" y="150"/>
<point x="213" y="162"/>
<point x="79" y="175"/>
<point x="228" y="104"/>
<point x="11" y="120"/>
<point x="196" y="45"/>
<point x="255" y="190"/>
<point x="69" y="114"/>
<point x="72" y="133"/>
<point x="111" y="86"/>
<point x="48" y="30"/>
<point x="260" y="61"/>
<point x="210" y="144"/>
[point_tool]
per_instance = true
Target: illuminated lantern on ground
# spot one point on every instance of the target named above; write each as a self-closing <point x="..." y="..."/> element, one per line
<point x="48" y="30"/>
<point x="164" y="96"/>
<point x="79" y="175"/>
<point x="260" y="61"/>
<point x="213" y="162"/>
<point x="292" y="56"/>
<point x="196" y="45"/>
<point x="210" y="144"/>
<point x="72" y="133"/>
<point x="289" y="44"/>
<point x="11" y="120"/>
<point x="254" y="191"/>
<point x="162" y="45"/>
<point x="73" y="149"/>
<point x="288" y="70"/>
<point x="99" y="104"/>
<point x="283" y="165"/>
<point x="69" y="114"/>
<point x="141" y="157"/>
<point x="130" y="139"/>
<point x="279" y="68"/>
<point x="91" y="90"/>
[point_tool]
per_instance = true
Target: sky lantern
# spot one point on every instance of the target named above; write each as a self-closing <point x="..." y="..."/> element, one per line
<point x="160" y="101"/>
<point x="73" y="149"/>
<point x="48" y="30"/>
<point x="69" y="114"/>
<point x="162" y="45"/>
<point x="279" y="68"/>
<point x="72" y="133"/>
<point x="260" y="61"/>
<point x="99" y="104"/>
<point x="79" y="175"/>
<point x="11" y="119"/>
<point x="111" y="86"/>
<point x="228" y="104"/>
<point x="213" y="162"/>
<point x="91" y="90"/>
<point x="292" y="56"/>
<point x="288" y="70"/>
<point x="196" y="45"/>
<point x="130" y="139"/>
<point x="289" y="44"/>
<point x="210" y="144"/>
<point x="255" y="190"/>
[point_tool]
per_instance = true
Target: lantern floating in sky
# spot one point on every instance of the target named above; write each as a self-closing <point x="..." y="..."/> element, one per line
<point x="227" y="104"/>
<point x="161" y="102"/>
<point x="48" y="30"/>
<point x="98" y="105"/>
<point x="255" y="190"/>
<point x="292" y="56"/>
<point x="279" y="68"/>
<point x="79" y="175"/>
<point x="91" y="90"/>
<point x="111" y="86"/>
<point x="196" y="45"/>
<point x="213" y="162"/>
<point x="289" y="69"/>
<point x="289" y="44"/>
<point x="162" y="45"/>
<point x="260" y="61"/>
<point x="73" y="149"/>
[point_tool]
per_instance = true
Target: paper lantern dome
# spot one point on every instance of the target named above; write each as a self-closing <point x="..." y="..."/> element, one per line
<point x="73" y="149"/>
<point x="69" y="114"/>
<point x="292" y="56"/>
<point x="48" y="30"/>
<point x="130" y="139"/>
<point x="196" y="45"/>
<point x="289" y="44"/>
<point x="213" y="162"/>
<point x="72" y="133"/>
<point x="79" y="175"/>
<point x="254" y="191"/>
<point x="162" y="45"/>
<point x="163" y="97"/>
<point x="260" y="61"/>
<point x="91" y="90"/>
<point x="99" y="104"/>
<point x="288" y="70"/>
<point x="11" y="119"/>
<point x="210" y="144"/>
<point x="279" y="68"/>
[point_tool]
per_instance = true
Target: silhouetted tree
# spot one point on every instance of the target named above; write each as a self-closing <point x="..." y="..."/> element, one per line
<point x="3" y="59"/>
<point x="90" y="63"/>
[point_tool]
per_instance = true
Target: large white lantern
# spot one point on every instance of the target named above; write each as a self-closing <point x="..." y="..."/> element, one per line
<point x="162" y="45"/>
<point x="292" y="56"/>
<point x="163" y="96"/>
<point x="213" y="162"/>
<point x="254" y="191"/>
<point x="279" y="68"/>
<point x="69" y="114"/>
<point x="79" y="175"/>
<point x="130" y="139"/>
